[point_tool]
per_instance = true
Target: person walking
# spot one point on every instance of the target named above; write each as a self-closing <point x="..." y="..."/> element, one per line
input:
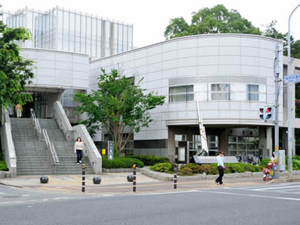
<point x="221" y="167"/>
<point x="273" y="161"/>
<point x="78" y="148"/>
<point x="18" y="109"/>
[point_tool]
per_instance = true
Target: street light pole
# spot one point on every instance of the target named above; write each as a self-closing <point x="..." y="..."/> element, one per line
<point x="289" y="108"/>
<point x="276" y="133"/>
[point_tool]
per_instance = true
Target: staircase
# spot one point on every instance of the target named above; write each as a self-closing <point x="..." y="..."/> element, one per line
<point x="33" y="158"/>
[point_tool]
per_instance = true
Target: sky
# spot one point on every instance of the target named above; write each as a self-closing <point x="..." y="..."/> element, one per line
<point x="150" y="18"/>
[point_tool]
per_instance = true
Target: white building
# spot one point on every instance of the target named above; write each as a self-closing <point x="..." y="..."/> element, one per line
<point x="230" y="75"/>
<point x="66" y="30"/>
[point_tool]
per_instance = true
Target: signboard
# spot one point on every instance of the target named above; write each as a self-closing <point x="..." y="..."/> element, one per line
<point x="213" y="159"/>
<point x="281" y="160"/>
<point x="110" y="150"/>
<point x="292" y="78"/>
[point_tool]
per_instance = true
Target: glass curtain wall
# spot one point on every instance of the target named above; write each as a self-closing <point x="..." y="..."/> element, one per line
<point x="65" y="30"/>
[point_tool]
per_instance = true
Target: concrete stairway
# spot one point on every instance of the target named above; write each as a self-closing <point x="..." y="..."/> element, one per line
<point x="32" y="155"/>
<point x="64" y="149"/>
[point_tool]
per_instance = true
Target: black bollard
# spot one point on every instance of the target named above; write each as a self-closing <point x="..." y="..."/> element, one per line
<point x="83" y="178"/>
<point x="44" y="179"/>
<point x="175" y="176"/>
<point x="134" y="178"/>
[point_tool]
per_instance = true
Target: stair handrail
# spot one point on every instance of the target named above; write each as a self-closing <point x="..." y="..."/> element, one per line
<point x="35" y="121"/>
<point x="51" y="147"/>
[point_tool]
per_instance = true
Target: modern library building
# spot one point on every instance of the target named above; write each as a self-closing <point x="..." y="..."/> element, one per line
<point x="229" y="76"/>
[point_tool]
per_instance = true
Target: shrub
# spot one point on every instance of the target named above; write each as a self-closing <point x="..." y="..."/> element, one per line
<point x="264" y="162"/>
<point x="163" y="167"/>
<point x="185" y="171"/>
<point x="3" y="166"/>
<point x="150" y="160"/>
<point x="121" y="163"/>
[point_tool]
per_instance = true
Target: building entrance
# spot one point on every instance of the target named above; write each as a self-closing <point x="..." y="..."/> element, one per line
<point x="39" y="105"/>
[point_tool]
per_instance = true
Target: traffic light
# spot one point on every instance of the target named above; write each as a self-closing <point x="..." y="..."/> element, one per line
<point x="266" y="113"/>
<point x="261" y="113"/>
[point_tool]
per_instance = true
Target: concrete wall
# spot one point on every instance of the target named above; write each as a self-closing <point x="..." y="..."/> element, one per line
<point x="58" y="69"/>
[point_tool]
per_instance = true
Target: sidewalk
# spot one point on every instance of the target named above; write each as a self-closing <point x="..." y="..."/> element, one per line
<point x="116" y="183"/>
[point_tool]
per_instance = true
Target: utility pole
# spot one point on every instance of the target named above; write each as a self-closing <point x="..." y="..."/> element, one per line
<point x="277" y="80"/>
<point x="289" y="106"/>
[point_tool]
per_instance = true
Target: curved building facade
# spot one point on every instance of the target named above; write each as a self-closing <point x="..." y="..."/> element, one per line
<point x="231" y="76"/>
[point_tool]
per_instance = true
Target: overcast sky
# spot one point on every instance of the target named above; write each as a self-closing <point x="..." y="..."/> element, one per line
<point x="150" y="18"/>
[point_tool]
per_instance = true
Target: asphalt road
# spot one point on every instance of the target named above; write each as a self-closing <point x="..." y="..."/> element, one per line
<point x="271" y="204"/>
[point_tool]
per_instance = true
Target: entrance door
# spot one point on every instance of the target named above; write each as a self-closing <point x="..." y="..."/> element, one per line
<point x="38" y="106"/>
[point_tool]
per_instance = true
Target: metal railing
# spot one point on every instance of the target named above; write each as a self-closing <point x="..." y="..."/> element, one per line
<point x="50" y="146"/>
<point x="35" y="122"/>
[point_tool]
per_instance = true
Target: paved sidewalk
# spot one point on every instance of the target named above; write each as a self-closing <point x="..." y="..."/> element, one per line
<point x="116" y="183"/>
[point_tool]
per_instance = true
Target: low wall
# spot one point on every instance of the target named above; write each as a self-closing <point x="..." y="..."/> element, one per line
<point x="8" y="145"/>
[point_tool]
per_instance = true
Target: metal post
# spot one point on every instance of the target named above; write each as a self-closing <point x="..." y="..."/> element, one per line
<point x="276" y="74"/>
<point x="289" y="99"/>
<point x="175" y="176"/>
<point x="134" y="178"/>
<point x="83" y="178"/>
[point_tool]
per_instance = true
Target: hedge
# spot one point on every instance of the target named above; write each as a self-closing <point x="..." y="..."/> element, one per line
<point x="3" y="166"/>
<point x="210" y="169"/>
<point x="150" y="160"/>
<point x="121" y="163"/>
<point x="163" y="167"/>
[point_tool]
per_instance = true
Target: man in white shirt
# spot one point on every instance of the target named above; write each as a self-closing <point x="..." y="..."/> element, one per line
<point x="221" y="167"/>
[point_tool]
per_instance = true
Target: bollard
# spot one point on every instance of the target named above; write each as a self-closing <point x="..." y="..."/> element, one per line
<point x="175" y="176"/>
<point x="83" y="178"/>
<point x="44" y="179"/>
<point x="134" y="178"/>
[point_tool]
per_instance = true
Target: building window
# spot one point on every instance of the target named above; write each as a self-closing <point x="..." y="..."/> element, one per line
<point x="220" y="91"/>
<point x="181" y="93"/>
<point x="243" y="146"/>
<point x="67" y="98"/>
<point x="252" y="92"/>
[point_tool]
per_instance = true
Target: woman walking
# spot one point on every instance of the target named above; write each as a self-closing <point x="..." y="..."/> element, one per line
<point x="221" y="167"/>
<point x="78" y="148"/>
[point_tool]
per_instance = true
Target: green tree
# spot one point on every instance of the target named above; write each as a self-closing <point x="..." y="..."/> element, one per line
<point x="120" y="105"/>
<point x="15" y="71"/>
<point x="211" y="20"/>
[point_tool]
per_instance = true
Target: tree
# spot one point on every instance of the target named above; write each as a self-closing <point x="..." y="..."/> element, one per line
<point x="120" y="105"/>
<point x="15" y="71"/>
<point x="211" y="20"/>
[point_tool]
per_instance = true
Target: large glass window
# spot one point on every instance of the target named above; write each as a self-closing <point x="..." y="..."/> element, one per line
<point x="83" y="34"/>
<point x="99" y="37"/>
<point x="181" y="93"/>
<point x="220" y="91"/>
<point x="67" y="98"/>
<point x="253" y="92"/>
<point x="243" y="146"/>
<point x="107" y="38"/>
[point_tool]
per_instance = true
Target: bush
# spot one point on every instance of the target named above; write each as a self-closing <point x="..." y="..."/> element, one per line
<point x="209" y="169"/>
<point x="121" y="163"/>
<point x="264" y="162"/>
<point x="185" y="171"/>
<point x="3" y="166"/>
<point x="150" y="160"/>
<point x="163" y="167"/>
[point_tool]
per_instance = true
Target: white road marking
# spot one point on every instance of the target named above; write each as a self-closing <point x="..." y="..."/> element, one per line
<point x="2" y="193"/>
<point x="25" y="195"/>
<point x="251" y="195"/>
<point x="274" y="188"/>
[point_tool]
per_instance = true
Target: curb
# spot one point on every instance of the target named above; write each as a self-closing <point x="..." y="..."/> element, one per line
<point x="169" y="177"/>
